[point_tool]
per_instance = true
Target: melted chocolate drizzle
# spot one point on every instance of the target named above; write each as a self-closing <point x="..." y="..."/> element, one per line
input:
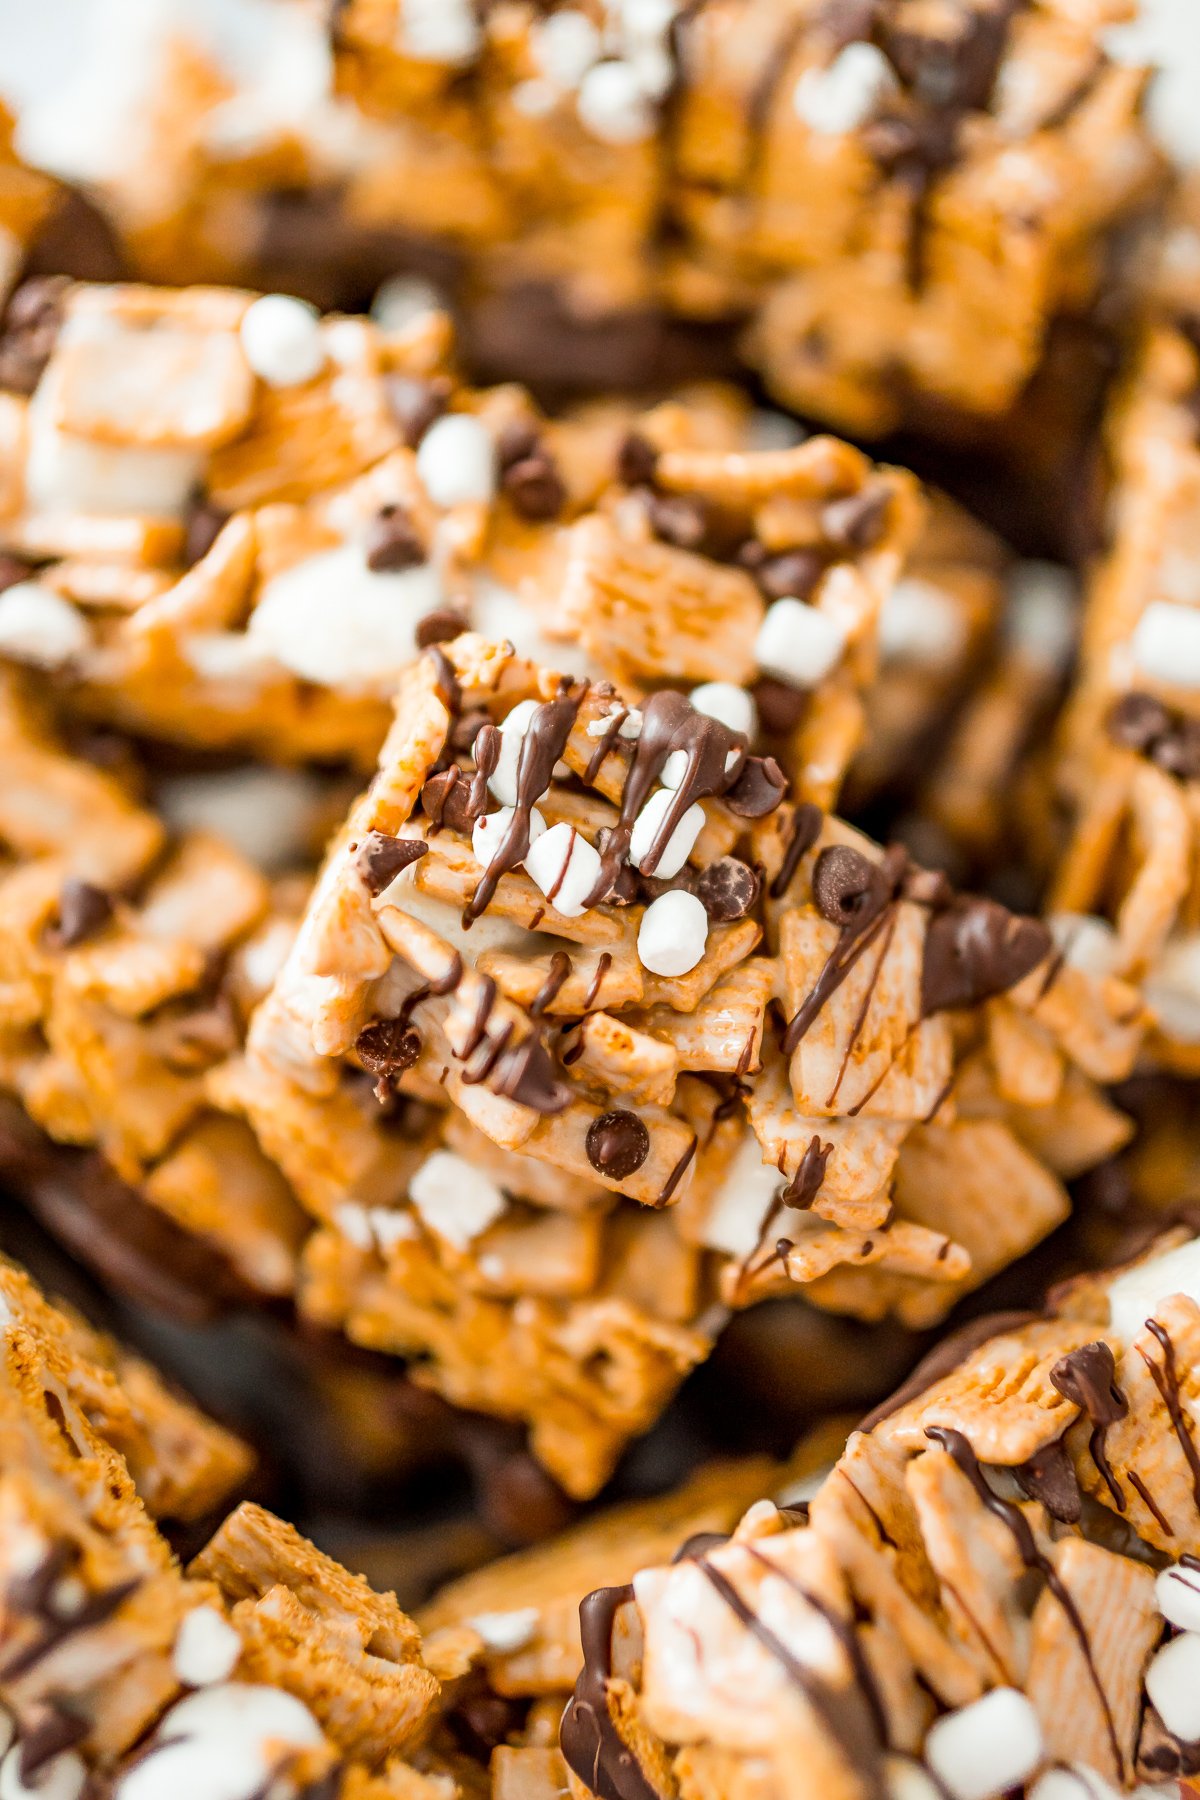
<point x="1088" y="1378"/>
<point x="541" y="747"/>
<point x="1165" y="1376"/>
<point x="590" y="1742"/>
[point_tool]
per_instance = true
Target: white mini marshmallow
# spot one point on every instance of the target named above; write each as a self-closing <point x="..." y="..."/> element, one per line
<point x="907" y="1780"/>
<point x="565" y="867"/>
<point x="38" y="626"/>
<point x="505" y="1632"/>
<point x="281" y="338"/>
<point x="273" y="816"/>
<point x="674" y="770"/>
<point x="565" y="46"/>
<point x="457" y="462"/>
<point x="401" y="299"/>
<point x="992" y="1744"/>
<point x="1177" y="1594"/>
<point x="337" y="623"/>
<point x="488" y="833"/>
<point x="732" y="705"/>
<point x="207" y="1648"/>
<point x="1134" y="1295"/>
<point x="846" y="94"/>
<point x="62" y="1778"/>
<point x="1172" y="991"/>
<point x="734" y="1215"/>
<point x="1077" y="1782"/>
<point x="629" y="728"/>
<point x="224" y="1742"/>
<point x="439" y="31"/>
<point x="920" y="623"/>
<point x="1085" y="941"/>
<point x="67" y="474"/>
<point x="503" y="779"/>
<point x="612" y="104"/>
<point x="1166" y="644"/>
<point x="798" y="643"/>
<point x="1173" y="1686"/>
<point x="673" y="934"/>
<point x="455" y="1199"/>
<point x="678" y="846"/>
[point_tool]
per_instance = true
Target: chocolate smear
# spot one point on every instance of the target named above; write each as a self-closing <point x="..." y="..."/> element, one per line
<point x="589" y="1740"/>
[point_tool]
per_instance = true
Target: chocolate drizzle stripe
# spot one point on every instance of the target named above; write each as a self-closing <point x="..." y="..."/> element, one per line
<point x="853" y="943"/>
<point x="1147" y="1498"/>
<point x="544" y="741"/>
<point x="677" y="1173"/>
<point x="603" y="965"/>
<point x="590" y="1743"/>
<point x="559" y="974"/>
<point x="1166" y="1380"/>
<point x="807" y="820"/>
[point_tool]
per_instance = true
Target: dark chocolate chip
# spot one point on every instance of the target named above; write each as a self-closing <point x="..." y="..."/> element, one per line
<point x="380" y="858"/>
<point x="481" y="1722"/>
<point x="82" y="910"/>
<point x="465" y="729"/>
<point x="415" y="404"/>
<point x="679" y="519"/>
<point x="1179" y="752"/>
<point x="12" y="570"/>
<point x="393" y="542"/>
<point x="976" y="950"/>
<point x="31" y="325"/>
<point x="728" y="889"/>
<point x="534" y="488"/>
<point x="759" y="788"/>
<point x="857" y="522"/>
<point x="525" y="1074"/>
<point x="202" y="527"/>
<point x="780" y="705"/>
<point x="47" y="1729"/>
<point x="845" y="884"/>
<point x="1136" y="721"/>
<point x="448" y="801"/>
<point x="389" y="1048"/>
<point x="440" y="627"/>
<point x="792" y="575"/>
<point x="1049" y="1476"/>
<point x="637" y="461"/>
<point x="617" y="1144"/>
<point x="516" y="441"/>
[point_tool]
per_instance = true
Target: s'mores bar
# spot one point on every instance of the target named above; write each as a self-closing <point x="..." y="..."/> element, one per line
<point x="593" y="1031"/>
<point x="992" y="1591"/>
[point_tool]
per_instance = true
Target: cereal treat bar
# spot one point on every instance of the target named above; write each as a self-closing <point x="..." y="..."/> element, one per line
<point x="1129" y="751"/>
<point x="232" y="524"/>
<point x="265" y="1666"/>
<point x="993" y="1591"/>
<point x="593" y="1030"/>
<point x="878" y="188"/>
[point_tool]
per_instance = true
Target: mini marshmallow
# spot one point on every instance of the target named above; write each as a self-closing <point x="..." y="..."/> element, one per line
<point x="907" y="1780"/>
<point x="673" y="934"/>
<point x="439" y="31"/>
<point x="281" y="338"/>
<point x="992" y="1744"/>
<point x="1173" y="1686"/>
<point x="39" y="627"/>
<point x="1074" y="1783"/>
<point x="503" y="779"/>
<point x="629" y="728"/>
<point x="207" y="1648"/>
<point x="1172" y="990"/>
<point x="335" y="622"/>
<point x="674" y="770"/>
<point x="1134" y="1295"/>
<point x="455" y="1199"/>
<point x="489" y="833"/>
<point x="504" y="1632"/>
<point x="457" y="462"/>
<point x="272" y="816"/>
<point x="733" y="1218"/>
<point x="1085" y="942"/>
<point x="1166" y="644"/>
<point x="401" y="299"/>
<point x="731" y="705"/>
<point x="224" y="1742"/>
<point x="565" y="46"/>
<point x="798" y="643"/>
<point x="678" y="846"/>
<point x="613" y="105"/>
<point x="62" y="1778"/>
<point x="920" y="623"/>
<point x="846" y="94"/>
<point x="1177" y="1595"/>
<point x="565" y="867"/>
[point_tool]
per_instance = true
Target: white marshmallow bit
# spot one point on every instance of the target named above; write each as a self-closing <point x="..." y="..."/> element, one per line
<point x="629" y="728"/>
<point x="62" y="1778"/>
<point x="613" y="105"/>
<point x="38" y="626"/>
<point x="503" y="779"/>
<point x="1173" y="1686"/>
<point x="207" y="1648"/>
<point x="1042" y="614"/>
<point x="505" y="1632"/>
<point x="673" y="934"/>
<point x="1075" y="1783"/>
<point x="1133" y="1296"/>
<point x="731" y="705"/>
<point x="455" y="1199"/>
<point x="1086" y="942"/>
<point x="1172" y="990"/>
<point x="489" y="833"/>
<point x="734" y="1214"/>
<point x="992" y="1744"/>
<point x="1177" y="1595"/>
<point x="907" y="1780"/>
<point x="920" y="623"/>
<point x="273" y="816"/>
<point x="439" y="31"/>
<point x="336" y="623"/>
<point x="565" y="46"/>
<point x="457" y="462"/>
<point x="678" y="847"/>
<point x="798" y="643"/>
<point x="224" y="1742"/>
<point x="401" y="299"/>
<point x="565" y="867"/>
<point x="847" y="93"/>
<point x="1166" y="644"/>
<point x="281" y="338"/>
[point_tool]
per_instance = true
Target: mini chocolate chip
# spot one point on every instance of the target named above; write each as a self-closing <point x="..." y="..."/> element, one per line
<point x="1179" y="752"/>
<point x="617" y="1144"/>
<point x="203" y="525"/>
<point x="31" y="325"/>
<point x="857" y="522"/>
<point x="637" y="461"/>
<point x="416" y="404"/>
<point x="794" y="574"/>
<point x="780" y="706"/>
<point x="393" y="542"/>
<point x="1049" y="1476"/>
<point x="380" y="858"/>
<point x="515" y="441"/>
<point x="1135" y="721"/>
<point x="758" y="790"/>
<point x="388" y="1048"/>
<point x="465" y="729"/>
<point x="82" y="910"/>
<point x="534" y="487"/>
<point x="448" y="801"/>
<point x="12" y="570"/>
<point x="976" y="950"/>
<point x="728" y="889"/>
<point x="845" y="884"/>
<point x="481" y="1722"/>
<point x="679" y="519"/>
<point x="441" y="626"/>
